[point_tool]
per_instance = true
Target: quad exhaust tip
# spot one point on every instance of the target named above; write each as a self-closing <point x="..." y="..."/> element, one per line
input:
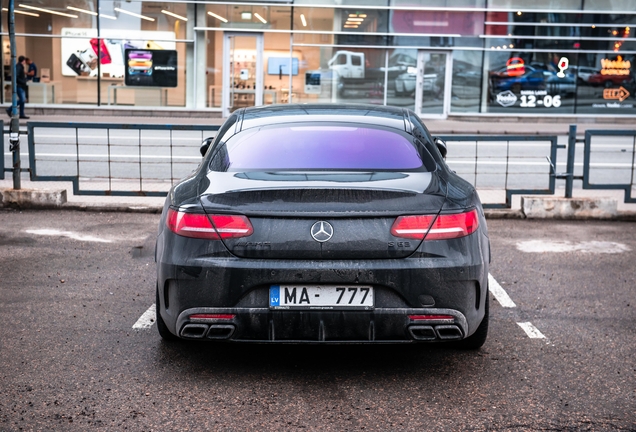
<point x="205" y="331"/>
<point x="430" y="333"/>
<point x="448" y="332"/>
<point x="422" y="332"/>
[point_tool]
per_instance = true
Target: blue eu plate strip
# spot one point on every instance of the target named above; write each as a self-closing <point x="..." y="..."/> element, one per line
<point x="274" y="295"/>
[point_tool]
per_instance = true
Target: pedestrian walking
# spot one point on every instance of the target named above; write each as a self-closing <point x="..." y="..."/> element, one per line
<point x="21" y="86"/>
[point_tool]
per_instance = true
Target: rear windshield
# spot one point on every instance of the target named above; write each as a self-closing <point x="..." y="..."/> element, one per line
<point x="322" y="147"/>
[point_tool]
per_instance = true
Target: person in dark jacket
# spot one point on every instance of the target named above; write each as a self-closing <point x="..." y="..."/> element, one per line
<point x="31" y="75"/>
<point x="21" y="86"/>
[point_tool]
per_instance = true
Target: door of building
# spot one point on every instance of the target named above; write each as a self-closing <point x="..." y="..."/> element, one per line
<point x="242" y="71"/>
<point x="433" y="84"/>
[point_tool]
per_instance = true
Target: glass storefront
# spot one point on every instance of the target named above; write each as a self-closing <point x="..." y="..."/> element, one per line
<point x="476" y="57"/>
<point x="130" y="54"/>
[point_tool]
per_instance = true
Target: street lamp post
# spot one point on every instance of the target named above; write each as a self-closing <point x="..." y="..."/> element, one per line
<point x="14" y="130"/>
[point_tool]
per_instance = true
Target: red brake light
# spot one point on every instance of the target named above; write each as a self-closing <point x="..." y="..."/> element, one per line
<point x="453" y="226"/>
<point x="213" y="227"/>
<point x="414" y="227"/>
<point x="232" y="226"/>
<point x="430" y="228"/>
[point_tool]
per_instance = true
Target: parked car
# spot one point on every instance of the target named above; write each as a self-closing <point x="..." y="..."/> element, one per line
<point x="608" y="81"/>
<point x="323" y="224"/>
<point x="531" y="79"/>
<point x="583" y="73"/>
<point x="560" y="85"/>
<point x="406" y="82"/>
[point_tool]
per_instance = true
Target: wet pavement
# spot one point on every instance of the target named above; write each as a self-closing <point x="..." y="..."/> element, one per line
<point x="74" y="284"/>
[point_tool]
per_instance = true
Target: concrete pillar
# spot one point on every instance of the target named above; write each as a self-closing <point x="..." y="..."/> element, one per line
<point x="201" y="66"/>
<point x="196" y="58"/>
<point x="189" y="61"/>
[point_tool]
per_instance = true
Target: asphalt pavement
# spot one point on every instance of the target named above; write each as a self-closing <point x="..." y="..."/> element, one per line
<point x="79" y="349"/>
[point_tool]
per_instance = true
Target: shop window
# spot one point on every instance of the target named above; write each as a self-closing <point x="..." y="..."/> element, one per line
<point x="606" y="84"/>
<point x="530" y="83"/>
<point x="467" y="81"/>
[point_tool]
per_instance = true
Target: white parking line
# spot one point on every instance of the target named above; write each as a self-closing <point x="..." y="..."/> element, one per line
<point x="531" y="331"/>
<point x="146" y="320"/>
<point x="69" y="234"/>
<point x="500" y="294"/>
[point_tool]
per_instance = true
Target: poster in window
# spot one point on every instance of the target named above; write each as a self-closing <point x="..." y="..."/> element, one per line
<point x="151" y="68"/>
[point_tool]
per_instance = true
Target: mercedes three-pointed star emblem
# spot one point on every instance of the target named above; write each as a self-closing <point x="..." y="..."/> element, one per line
<point x="322" y="231"/>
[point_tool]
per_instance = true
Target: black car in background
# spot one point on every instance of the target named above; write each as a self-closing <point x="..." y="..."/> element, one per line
<point x="323" y="224"/>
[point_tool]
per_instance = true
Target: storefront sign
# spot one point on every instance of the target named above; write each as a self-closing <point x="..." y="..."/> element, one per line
<point x="563" y="65"/>
<point x="506" y="98"/>
<point x="534" y="98"/>
<point x="437" y="22"/>
<point x="515" y="67"/>
<point x="529" y="99"/>
<point x="616" y="67"/>
<point x="612" y="93"/>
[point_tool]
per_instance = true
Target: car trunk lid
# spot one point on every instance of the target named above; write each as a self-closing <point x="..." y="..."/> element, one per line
<point x="292" y="222"/>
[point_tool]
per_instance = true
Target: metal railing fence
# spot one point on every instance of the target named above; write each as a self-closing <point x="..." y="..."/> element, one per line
<point x="610" y="165"/>
<point x="146" y="159"/>
<point x="516" y="164"/>
<point x="115" y="159"/>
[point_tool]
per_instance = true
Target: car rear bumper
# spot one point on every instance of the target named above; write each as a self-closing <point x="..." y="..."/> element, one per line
<point x="399" y="292"/>
<point x="447" y="278"/>
<point x="262" y="325"/>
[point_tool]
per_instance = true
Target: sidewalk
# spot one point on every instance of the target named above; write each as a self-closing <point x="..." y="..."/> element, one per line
<point x="452" y="126"/>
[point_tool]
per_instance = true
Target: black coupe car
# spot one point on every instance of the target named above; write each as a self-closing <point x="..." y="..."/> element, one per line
<point x="323" y="224"/>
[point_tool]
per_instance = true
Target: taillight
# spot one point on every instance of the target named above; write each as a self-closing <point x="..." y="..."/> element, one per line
<point x="453" y="226"/>
<point x="445" y="226"/>
<point x="210" y="227"/>
<point x="414" y="227"/>
<point x="232" y="226"/>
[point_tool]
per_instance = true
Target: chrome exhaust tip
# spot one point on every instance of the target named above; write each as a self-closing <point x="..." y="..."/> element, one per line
<point x="448" y="332"/>
<point x="422" y="332"/>
<point x="220" y="331"/>
<point x="194" y="331"/>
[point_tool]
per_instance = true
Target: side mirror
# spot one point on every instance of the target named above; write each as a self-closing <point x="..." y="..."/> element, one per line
<point x="441" y="146"/>
<point x="205" y="145"/>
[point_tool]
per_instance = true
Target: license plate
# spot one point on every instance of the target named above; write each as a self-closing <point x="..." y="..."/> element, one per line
<point x="320" y="297"/>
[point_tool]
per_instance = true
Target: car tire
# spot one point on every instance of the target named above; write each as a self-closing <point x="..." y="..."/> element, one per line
<point x="477" y="339"/>
<point x="161" y="325"/>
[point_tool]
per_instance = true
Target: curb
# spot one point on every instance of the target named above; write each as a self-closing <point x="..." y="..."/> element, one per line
<point x="97" y="208"/>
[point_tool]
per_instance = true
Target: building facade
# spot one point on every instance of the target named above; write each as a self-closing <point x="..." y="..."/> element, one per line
<point x="439" y="58"/>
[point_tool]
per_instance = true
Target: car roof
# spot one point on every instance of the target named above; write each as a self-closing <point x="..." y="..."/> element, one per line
<point x="296" y="113"/>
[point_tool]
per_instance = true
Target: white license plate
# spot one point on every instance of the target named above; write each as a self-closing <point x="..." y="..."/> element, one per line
<point x="321" y="297"/>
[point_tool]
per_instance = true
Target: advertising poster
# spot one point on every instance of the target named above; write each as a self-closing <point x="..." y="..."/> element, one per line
<point x="151" y="68"/>
<point x="80" y="48"/>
